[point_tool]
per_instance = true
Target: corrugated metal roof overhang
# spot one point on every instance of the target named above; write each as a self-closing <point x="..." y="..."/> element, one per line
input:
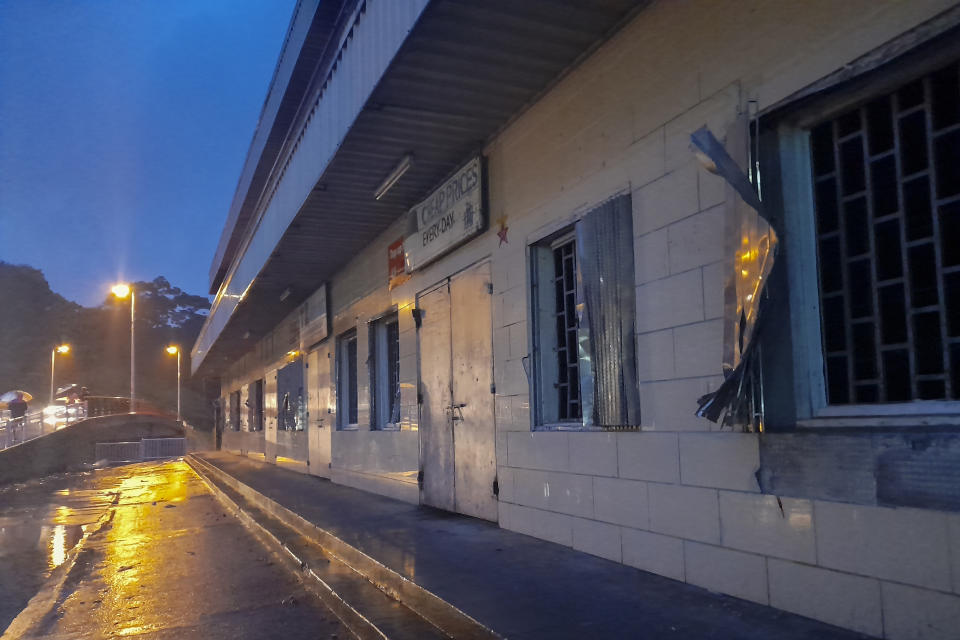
<point x="312" y="31"/>
<point x="463" y="72"/>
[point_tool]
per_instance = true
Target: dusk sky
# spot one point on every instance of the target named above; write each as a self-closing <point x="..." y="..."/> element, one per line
<point x="123" y="128"/>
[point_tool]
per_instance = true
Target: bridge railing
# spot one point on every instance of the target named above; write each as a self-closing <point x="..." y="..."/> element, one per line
<point x="54" y="417"/>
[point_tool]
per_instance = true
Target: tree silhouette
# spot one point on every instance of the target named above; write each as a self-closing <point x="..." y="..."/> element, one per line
<point x="33" y="319"/>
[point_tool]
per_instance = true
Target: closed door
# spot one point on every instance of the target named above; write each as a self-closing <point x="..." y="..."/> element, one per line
<point x="318" y="403"/>
<point x="456" y="375"/>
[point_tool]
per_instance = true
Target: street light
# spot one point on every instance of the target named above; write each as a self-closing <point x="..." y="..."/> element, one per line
<point x="175" y="350"/>
<point x="122" y="291"/>
<point x="63" y="348"/>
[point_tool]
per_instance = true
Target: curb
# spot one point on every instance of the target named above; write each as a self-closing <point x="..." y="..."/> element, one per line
<point x="358" y="625"/>
<point x="438" y="612"/>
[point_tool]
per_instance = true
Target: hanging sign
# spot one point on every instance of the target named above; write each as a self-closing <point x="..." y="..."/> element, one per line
<point x="450" y="215"/>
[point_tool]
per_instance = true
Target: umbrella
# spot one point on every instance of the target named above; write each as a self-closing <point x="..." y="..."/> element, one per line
<point x="67" y="390"/>
<point x="9" y="396"/>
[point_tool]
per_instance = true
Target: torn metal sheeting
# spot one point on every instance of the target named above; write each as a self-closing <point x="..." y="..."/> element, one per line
<point x="751" y="245"/>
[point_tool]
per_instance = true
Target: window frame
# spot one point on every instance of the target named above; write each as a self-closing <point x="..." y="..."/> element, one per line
<point x="380" y="372"/>
<point x="786" y="154"/>
<point x="541" y="261"/>
<point x="344" y="388"/>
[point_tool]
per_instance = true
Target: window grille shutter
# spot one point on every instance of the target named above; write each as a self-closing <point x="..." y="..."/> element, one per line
<point x="606" y="308"/>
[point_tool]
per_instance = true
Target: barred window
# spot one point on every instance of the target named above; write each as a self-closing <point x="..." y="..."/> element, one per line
<point x="385" y="371"/>
<point x="886" y="179"/>
<point x="347" y="400"/>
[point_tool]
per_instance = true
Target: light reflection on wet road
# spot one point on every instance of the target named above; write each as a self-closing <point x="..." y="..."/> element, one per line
<point x="168" y="563"/>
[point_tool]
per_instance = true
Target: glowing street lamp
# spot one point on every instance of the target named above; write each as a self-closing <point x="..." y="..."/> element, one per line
<point x="63" y="348"/>
<point x="121" y="291"/>
<point x="175" y="350"/>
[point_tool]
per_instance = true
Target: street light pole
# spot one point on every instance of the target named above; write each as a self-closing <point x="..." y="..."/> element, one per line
<point x="174" y="349"/>
<point x="178" y="385"/>
<point x="133" y="393"/>
<point x="63" y="348"/>
<point x="122" y="291"/>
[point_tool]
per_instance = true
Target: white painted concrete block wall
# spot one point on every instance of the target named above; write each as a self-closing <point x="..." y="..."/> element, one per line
<point x="680" y="498"/>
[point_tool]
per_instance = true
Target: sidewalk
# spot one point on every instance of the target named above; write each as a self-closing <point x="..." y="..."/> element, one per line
<point x="519" y="586"/>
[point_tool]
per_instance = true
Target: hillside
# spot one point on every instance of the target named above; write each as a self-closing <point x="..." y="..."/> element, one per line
<point x="33" y="319"/>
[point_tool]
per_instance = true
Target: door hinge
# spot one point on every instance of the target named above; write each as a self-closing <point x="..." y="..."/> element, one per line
<point x="420" y="478"/>
<point x="417" y="314"/>
<point x="493" y="387"/>
<point x="490" y="288"/>
<point x="496" y="488"/>
<point x="419" y="398"/>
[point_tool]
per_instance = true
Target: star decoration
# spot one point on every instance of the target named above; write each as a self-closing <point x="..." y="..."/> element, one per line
<point x="502" y="231"/>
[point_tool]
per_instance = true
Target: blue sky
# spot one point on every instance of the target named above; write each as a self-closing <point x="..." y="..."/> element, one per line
<point x="123" y="128"/>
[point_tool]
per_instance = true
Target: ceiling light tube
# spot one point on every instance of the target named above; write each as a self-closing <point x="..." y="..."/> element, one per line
<point x="394" y="176"/>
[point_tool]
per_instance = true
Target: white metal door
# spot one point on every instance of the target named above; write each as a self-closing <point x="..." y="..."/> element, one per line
<point x="474" y="434"/>
<point x="456" y="373"/>
<point x="318" y="400"/>
<point x="436" y="432"/>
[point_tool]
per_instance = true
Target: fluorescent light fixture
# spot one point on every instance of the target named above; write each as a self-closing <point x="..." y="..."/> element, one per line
<point x="395" y="175"/>
<point x="285" y="294"/>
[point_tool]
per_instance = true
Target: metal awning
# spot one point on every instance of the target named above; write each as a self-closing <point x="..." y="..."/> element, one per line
<point x="464" y="71"/>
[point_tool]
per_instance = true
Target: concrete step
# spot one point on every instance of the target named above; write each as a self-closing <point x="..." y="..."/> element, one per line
<point x="371" y="599"/>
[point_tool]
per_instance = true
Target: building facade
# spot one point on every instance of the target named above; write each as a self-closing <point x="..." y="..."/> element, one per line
<point x="473" y="262"/>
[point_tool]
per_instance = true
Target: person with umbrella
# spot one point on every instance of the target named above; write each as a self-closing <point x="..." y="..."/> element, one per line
<point x="17" y="405"/>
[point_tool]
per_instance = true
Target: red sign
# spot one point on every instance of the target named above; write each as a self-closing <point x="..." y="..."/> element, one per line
<point x="395" y="259"/>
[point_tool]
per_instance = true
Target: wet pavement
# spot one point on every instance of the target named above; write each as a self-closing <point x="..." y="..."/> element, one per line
<point x="519" y="586"/>
<point x="158" y="557"/>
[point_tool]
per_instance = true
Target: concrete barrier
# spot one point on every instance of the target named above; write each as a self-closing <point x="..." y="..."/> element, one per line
<point x="74" y="447"/>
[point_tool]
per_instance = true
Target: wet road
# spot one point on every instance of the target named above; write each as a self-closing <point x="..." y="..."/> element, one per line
<point x="159" y="558"/>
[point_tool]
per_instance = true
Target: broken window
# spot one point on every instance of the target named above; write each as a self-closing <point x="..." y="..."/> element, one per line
<point x="385" y="372"/>
<point x="886" y="183"/>
<point x="584" y="308"/>
<point x="347" y="406"/>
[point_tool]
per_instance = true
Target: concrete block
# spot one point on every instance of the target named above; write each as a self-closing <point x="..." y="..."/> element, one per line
<point x="666" y="200"/>
<point x="953" y="522"/>
<point x="754" y="522"/>
<point x="559" y="492"/>
<point x="697" y="241"/>
<point x="644" y="159"/>
<point x="724" y="460"/>
<point x="512" y="305"/>
<point x="712" y="189"/>
<point x="836" y="598"/>
<point x="510" y="378"/>
<point x="621" y="502"/>
<point x="545" y="525"/>
<point x="505" y="482"/>
<point x="655" y="356"/>
<point x="649" y="456"/>
<point x="518" y="340"/>
<point x="698" y="349"/>
<point x="597" y="538"/>
<point x="904" y="545"/>
<point x="501" y="345"/>
<point x="714" y="281"/>
<point x="502" y="455"/>
<point x="653" y="552"/>
<point x="743" y="575"/>
<point x="918" y="614"/>
<point x="651" y="256"/>
<point x="670" y="302"/>
<point x="670" y="405"/>
<point x="685" y="512"/>
<point x="539" y="450"/>
<point x="593" y="453"/>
